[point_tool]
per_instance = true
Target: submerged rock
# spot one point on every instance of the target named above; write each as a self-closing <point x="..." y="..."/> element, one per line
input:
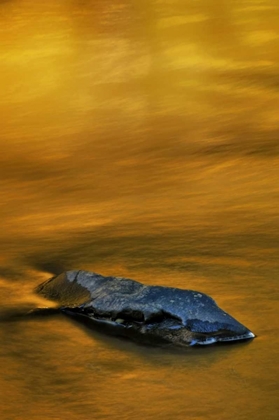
<point x="145" y="313"/>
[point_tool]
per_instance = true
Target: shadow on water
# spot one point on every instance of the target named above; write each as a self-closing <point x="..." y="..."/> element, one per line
<point x="50" y="266"/>
<point x="130" y="342"/>
<point x="25" y="313"/>
<point x="109" y="335"/>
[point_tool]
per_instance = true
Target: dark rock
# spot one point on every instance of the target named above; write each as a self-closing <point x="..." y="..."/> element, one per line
<point x="145" y="313"/>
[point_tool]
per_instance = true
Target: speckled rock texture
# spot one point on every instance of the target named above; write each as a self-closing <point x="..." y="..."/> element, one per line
<point x="148" y="314"/>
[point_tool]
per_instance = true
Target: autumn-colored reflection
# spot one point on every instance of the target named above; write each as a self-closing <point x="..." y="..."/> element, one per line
<point x="139" y="139"/>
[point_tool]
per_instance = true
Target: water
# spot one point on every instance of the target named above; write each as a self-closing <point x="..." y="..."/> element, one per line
<point x="139" y="139"/>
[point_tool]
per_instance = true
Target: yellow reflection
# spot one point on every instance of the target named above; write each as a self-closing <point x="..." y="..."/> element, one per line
<point x="158" y="116"/>
<point x="170" y="21"/>
<point x="138" y="139"/>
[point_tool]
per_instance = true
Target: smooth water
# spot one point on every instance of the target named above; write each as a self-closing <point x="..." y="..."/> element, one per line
<point x="139" y="139"/>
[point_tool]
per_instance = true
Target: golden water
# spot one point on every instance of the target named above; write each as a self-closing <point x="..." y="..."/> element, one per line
<point x="139" y="139"/>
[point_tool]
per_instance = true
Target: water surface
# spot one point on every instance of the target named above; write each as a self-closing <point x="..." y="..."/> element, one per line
<point x="139" y="139"/>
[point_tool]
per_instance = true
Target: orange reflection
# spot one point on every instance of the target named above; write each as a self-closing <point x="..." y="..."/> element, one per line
<point x="139" y="139"/>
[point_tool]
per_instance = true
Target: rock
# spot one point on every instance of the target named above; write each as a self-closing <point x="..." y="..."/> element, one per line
<point x="144" y="313"/>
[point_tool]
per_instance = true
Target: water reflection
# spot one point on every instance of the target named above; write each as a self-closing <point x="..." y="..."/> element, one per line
<point x="139" y="139"/>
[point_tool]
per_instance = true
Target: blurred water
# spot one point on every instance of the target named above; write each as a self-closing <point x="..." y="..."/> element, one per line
<point x="139" y="139"/>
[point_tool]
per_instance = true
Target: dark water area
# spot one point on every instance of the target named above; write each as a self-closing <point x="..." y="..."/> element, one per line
<point x="139" y="139"/>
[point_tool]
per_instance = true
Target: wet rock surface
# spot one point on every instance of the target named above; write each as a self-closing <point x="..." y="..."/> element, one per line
<point x="144" y="313"/>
